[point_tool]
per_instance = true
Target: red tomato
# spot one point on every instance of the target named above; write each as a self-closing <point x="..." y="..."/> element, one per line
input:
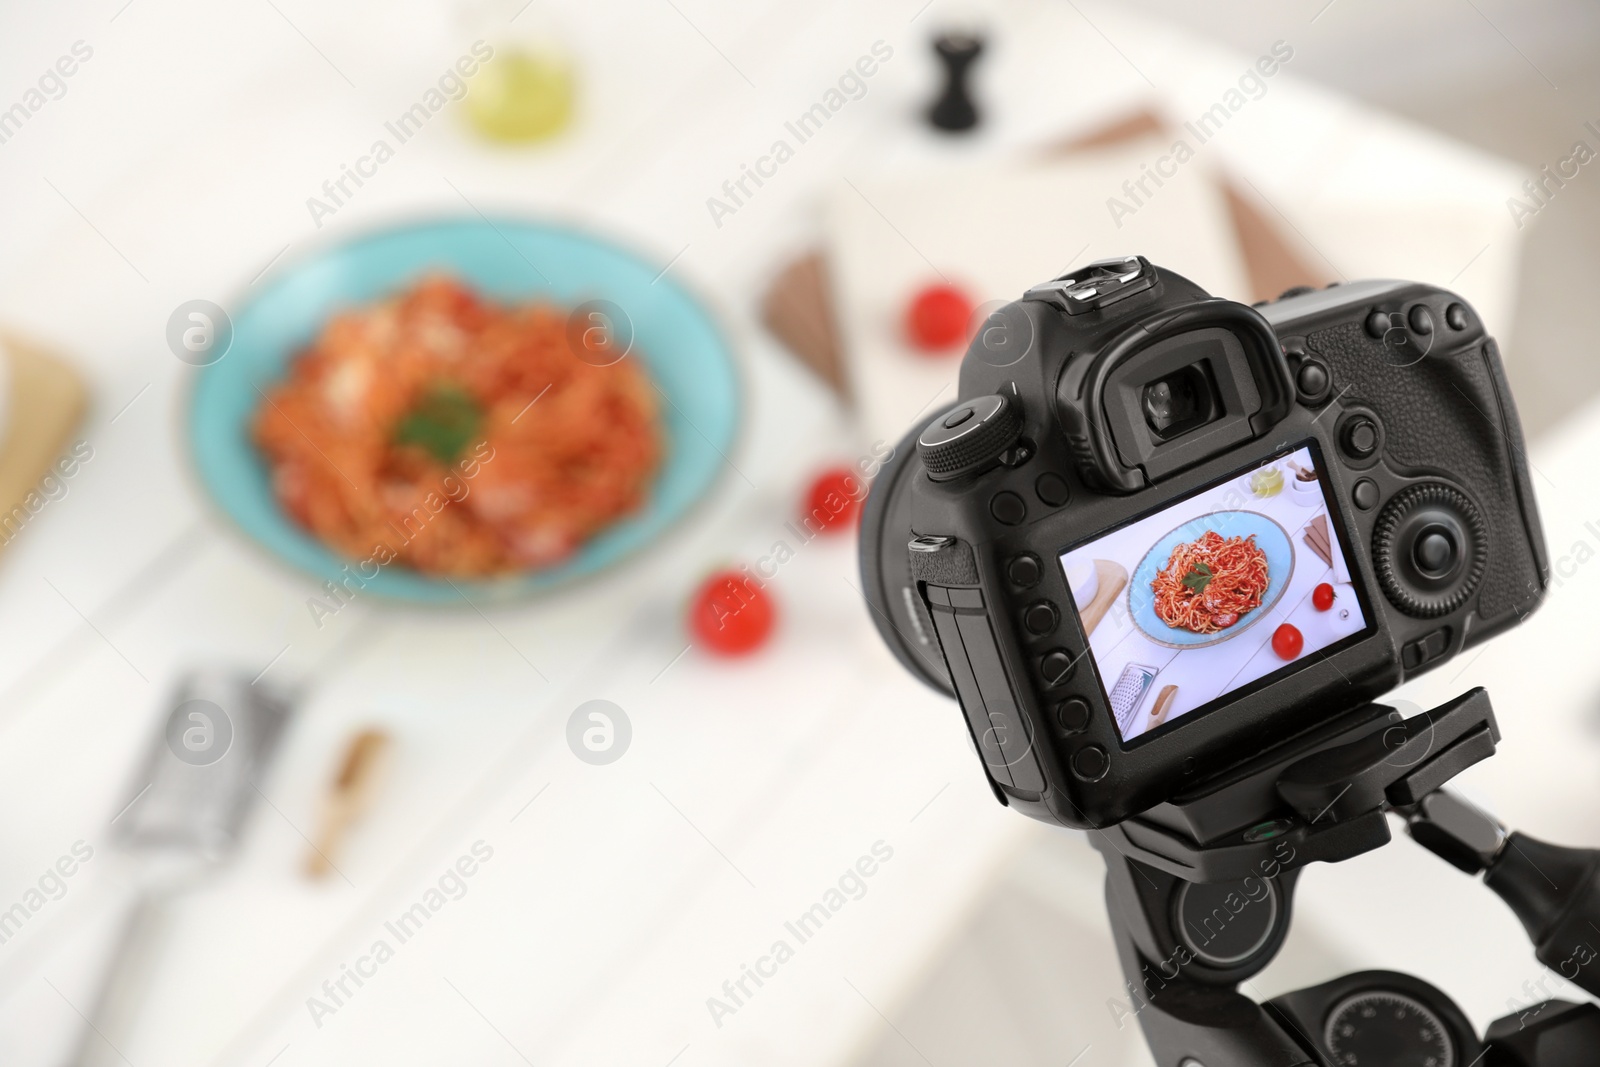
<point x="937" y="318"/>
<point x="833" y="502"/>
<point x="1287" y="641"/>
<point x="731" y="614"/>
<point x="1322" y="597"/>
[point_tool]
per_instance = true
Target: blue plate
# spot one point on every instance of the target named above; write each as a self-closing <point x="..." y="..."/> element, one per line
<point x="682" y="350"/>
<point x="1270" y="538"/>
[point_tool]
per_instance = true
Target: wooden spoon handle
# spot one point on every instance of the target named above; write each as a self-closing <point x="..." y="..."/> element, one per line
<point x="348" y="798"/>
<point x="1164" y="699"/>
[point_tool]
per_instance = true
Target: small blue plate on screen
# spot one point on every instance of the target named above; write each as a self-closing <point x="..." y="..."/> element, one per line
<point x="683" y="351"/>
<point x="1271" y="538"/>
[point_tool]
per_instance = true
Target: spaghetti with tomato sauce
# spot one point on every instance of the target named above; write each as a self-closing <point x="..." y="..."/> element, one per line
<point x="1209" y="583"/>
<point x="457" y="436"/>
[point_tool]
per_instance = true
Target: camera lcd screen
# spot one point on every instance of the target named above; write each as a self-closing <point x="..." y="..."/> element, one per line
<point x="1235" y="583"/>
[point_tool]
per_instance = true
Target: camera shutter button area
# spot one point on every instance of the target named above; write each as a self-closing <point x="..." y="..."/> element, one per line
<point x="956" y="418"/>
<point x="1430" y="549"/>
<point x="970" y="437"/>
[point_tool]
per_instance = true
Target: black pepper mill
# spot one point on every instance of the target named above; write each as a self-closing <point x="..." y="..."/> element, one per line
<point x="954" y="111"/>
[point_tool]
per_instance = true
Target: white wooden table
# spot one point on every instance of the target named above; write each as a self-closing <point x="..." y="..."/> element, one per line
<point x="618" y="899"/>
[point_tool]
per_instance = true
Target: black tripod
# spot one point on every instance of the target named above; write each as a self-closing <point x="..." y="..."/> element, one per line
<point x="1200" y="891"/>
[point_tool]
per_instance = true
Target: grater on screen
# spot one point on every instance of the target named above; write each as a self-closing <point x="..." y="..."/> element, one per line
<point x="1128" y="693"/>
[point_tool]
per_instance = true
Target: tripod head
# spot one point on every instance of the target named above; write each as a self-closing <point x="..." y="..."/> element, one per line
<point x="1200" y="892"/>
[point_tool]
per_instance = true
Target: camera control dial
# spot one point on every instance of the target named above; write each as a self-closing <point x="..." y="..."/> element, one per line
<point x="969" y="437"/>
<point x="1430" y="549"/>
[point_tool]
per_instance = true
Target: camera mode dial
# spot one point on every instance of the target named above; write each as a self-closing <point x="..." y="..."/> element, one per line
<point x="969" y="437"/>
<point x="1430" y="549"/>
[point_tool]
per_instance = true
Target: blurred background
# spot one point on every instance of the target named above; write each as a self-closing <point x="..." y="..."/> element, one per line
<point x="430" y="445"/>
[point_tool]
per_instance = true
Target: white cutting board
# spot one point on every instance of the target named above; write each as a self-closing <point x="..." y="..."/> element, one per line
<point x="994" y="233"/>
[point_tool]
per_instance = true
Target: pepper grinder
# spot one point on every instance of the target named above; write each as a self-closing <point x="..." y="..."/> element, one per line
<point x="954" y="111"/>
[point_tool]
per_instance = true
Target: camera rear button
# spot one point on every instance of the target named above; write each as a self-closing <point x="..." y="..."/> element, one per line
<point x="1007" y="507"/>
<point x="1052" y="489"/>
<point x="1040" y="618"/>
<point x="1312" y="381"/>
<point x="1456" y="317"/>
<point x="1024" y="571"/>
<point x="1073" y="716"/>
<point x="1091" y="763"/>
<point x="1421" y="320"/>
<point x="1365" y="494"/>
<point x="1360" y="438"/>
<point x="1056" y="666"/>
<point x="1435" y="553"/>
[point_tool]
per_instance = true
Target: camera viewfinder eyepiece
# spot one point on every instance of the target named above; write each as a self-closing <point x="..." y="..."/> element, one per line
<point x="1182" y="401"/>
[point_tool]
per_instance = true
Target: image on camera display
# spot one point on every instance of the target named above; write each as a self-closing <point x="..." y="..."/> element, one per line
<point x="1241" y="580"/>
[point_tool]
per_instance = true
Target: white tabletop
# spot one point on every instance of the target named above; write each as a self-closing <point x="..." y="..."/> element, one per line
<point x="618" y="899"/>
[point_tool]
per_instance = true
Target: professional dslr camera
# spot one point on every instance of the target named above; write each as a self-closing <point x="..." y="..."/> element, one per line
<point x="1119" y="548"/>
<point x="1167" y="551"/>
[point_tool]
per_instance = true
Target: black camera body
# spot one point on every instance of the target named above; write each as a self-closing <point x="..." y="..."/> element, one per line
<point x="1161" y="534"/>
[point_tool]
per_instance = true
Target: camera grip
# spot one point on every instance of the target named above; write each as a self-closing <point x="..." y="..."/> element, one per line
<point x="1450" y="413"/>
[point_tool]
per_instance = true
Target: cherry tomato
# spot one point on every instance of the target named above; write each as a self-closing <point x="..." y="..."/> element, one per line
<point x="731" y="614"/>
<point x="937" y="318"/>
<point x="833" y="503"/>
<point x="1287" y="641"/>
<point x="1322" y="597"/>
